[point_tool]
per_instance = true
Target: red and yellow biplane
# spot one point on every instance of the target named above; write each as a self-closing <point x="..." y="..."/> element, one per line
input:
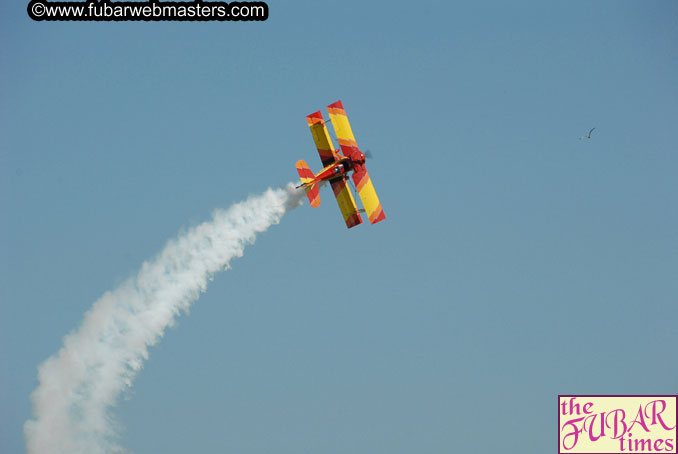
<point x="338" y="163"/>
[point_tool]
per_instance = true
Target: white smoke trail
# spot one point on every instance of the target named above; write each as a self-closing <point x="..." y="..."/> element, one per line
<point x="81" y="383"/>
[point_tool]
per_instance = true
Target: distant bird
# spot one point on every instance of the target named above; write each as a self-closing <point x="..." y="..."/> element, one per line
<point x="587" y="136"/>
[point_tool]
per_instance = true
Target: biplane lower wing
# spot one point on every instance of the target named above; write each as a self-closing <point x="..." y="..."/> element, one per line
<point x="368" y="196"/>
<point x="346" y="202"/>
<point x="321" y="138"/>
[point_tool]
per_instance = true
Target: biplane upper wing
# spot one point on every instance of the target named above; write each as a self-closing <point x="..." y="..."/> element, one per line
<point x="342" y="128"/>
<point x="346" y="202"/>
<point x="361" y="178"/>
<point x="321" y="137"/>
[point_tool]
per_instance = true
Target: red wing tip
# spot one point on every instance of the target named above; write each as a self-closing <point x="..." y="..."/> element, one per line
<point x="336" y="105"/>
<point x="315" y="117"/>
<point x="354" y="220"/>
<point x="379" y="218"/>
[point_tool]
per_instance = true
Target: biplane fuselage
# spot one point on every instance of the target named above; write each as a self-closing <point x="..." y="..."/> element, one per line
<point x="336" y="169"/>
<point x="338" y="163"/>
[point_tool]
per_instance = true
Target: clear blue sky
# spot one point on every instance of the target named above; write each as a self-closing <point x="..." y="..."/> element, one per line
<point x="516" y="262"/>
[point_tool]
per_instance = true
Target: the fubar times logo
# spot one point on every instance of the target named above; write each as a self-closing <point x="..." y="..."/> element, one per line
<point x="617" y="424"/>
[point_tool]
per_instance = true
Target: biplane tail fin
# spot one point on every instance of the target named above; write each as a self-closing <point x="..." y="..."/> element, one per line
<point x="304" y="172"/>
<point x="307" y="182"/>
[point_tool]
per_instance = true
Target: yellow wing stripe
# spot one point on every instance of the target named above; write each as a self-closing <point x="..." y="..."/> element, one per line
<point x="343" y="129"/>
<point x="347" y="205"/>
<point x="321" y="138"/>
<point x="341" y="125"/>
<point x="369" y="198"/>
